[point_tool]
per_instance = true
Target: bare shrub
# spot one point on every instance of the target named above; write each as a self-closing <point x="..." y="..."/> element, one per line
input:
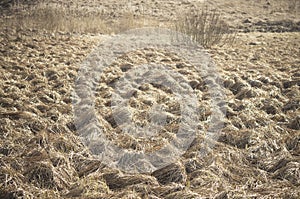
<point x="205" y="27"/>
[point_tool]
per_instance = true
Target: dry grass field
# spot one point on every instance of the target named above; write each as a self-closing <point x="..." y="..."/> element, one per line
<point x="42" y="46"/>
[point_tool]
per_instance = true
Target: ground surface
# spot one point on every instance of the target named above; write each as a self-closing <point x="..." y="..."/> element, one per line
<point x="255" y="156"/>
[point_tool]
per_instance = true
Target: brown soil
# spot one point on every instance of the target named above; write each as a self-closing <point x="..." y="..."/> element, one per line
<point x="256" y="155"/>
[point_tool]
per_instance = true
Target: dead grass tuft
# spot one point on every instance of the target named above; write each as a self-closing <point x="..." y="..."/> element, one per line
<point x="41" y="175"/>
<point x="205" y="26"/>
<point x="56" y="17"/>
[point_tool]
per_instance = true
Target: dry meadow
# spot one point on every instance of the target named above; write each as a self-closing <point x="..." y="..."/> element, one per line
<point x="257" y="153"/>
